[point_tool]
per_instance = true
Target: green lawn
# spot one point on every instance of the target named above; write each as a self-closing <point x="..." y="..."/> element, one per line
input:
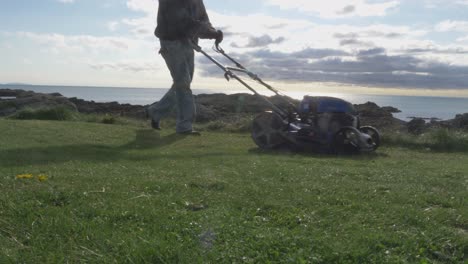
<point x="128" y="194"/>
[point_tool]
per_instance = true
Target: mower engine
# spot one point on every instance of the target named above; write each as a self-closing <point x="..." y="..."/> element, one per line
<point x="326" y="115"/>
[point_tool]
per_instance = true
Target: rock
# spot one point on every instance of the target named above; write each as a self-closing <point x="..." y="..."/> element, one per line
<point x="372" y="115"/>
<point x="27" y="99"/>
<point x="371" y="109"/>
<point x="416" y="126"/>
<point x="206" y="114"/>
<point x="8" y="93"/>
<point x="113" y="108"/>
<point x="460" y="121"/>
<point x="391" y="109"/>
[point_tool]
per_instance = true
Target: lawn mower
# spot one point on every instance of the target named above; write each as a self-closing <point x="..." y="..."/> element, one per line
<point x="318" y="123"/>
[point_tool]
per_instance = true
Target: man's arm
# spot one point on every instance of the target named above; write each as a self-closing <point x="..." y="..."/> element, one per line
<point x="160" y="29"/>
<point x="205" y="29"/>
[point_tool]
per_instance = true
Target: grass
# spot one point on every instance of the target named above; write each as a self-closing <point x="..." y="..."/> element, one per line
<point x="438" y="140"/>
<point x="128" y="194"/>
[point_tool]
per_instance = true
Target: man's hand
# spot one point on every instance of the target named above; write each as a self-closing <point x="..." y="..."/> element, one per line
<point x="219" y="37"/>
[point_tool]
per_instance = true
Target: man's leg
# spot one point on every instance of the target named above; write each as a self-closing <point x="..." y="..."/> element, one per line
<point x="179" y="57"/>
<point x="162" y="108"/>
<point x="185" y="100"/>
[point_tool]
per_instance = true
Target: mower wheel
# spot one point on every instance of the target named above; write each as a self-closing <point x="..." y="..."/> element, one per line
<point x="373" y="133"/>
<point x="346" y="141"/>
<point x="268" y="130"/>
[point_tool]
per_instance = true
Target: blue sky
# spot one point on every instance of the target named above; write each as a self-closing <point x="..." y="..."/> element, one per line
<point x="382" y="46"/>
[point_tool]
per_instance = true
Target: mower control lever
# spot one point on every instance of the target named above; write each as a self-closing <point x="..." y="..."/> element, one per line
<point x="218" y="48"/>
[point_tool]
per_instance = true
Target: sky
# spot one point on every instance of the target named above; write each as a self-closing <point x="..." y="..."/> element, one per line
<point x="409" y="47"/>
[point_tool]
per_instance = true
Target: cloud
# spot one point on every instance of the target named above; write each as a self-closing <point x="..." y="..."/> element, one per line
<point x="376" y="55"/>
<point x="370" y="33"/>
<point x="371" y="52"/>
<point x="142" y="26"/>
<point x="438" y="4"/>
<point x="371" y="67"/>
<point x="463" y="39"/>
<point x="451" y="25"/>
<point x="60" y="42"/>
<point x="435" y="50"/>
<point x="299" y="33"/>
<point x="87" y="46"/>
<point x="337" y="8"/>
<point x="66" y="1"/>
<point x="113" y="25"/>
<point x="145" y="6"/>
<point x="261" y="41"/>
<point x="355" y="42"/>
<point x="349" y="9"/>
<point x="126" y="66"/>
<point x="355" y="39"/>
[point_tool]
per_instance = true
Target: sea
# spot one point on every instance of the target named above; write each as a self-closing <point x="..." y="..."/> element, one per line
<point x="443" y="108"/>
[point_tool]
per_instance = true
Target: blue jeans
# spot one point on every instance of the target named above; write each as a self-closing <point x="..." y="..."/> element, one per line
<point x="179" y="57"/>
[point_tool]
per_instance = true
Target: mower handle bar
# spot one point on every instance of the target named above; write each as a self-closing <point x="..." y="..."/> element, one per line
<point x="229" y="74"/>
<point x="255" y="77"/>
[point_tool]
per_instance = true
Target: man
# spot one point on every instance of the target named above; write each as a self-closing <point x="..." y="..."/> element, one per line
<point x="180" y="22"/>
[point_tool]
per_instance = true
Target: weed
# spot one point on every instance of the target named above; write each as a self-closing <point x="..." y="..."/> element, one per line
<point x="108" y="120"/>
<point x="59" y="113"/>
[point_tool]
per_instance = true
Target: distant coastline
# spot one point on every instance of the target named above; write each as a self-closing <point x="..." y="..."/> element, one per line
<point x="443" y="108"/>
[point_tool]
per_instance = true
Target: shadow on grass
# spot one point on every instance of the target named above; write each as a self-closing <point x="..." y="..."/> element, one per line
<point x="145" y="139"/>
<point x="317" y="153"/>
<point x="151" y="139"/>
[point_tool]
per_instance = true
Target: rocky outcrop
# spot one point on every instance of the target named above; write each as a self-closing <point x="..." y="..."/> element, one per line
<point x="373" y="115"/>
<point x="391" y="109"/>
<point x="20" y="99"/>
<point x="460" y="121"/>
<point x="212" y="107"/>
<point x="112" y="108"/>
<point x="417" y="126"/>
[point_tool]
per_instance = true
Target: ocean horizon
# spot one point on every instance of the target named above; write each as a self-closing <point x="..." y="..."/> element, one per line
<point x="443" y="108"/>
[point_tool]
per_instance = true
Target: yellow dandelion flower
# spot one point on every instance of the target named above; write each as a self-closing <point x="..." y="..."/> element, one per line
<point x="42" y="177"/>
<point x="24" y="176"/>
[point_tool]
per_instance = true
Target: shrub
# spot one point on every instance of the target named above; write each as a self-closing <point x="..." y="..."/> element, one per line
<point x="50" y="113"/>
<point x="108" y="120"/>
<point x="446" y="140"/>
<point x="7" y="104"/>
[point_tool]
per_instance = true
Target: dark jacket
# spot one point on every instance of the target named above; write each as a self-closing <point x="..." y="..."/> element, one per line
<point x="183" y="19"/>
